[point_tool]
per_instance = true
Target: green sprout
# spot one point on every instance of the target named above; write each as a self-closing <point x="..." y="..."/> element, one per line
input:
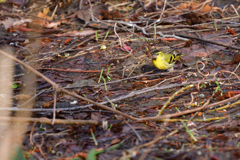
<point x="189" y="132"/>
<point x="155" y="31"/>
<point x="96" y="35"/>
<point x="108" y="78"/>
<point x="103" y="46"/>
<point x="218" y="88"/>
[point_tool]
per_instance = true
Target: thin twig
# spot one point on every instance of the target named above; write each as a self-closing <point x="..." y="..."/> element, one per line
<point x="210" y="57"/>
<point x="55" y="9"/>
<point x="48" y="121"/>
<point x="138" y="136"/>
<point x="201" y="69"/>
<point x="192" y="99"/>
<point x="120" y="40"/>
<point x="98" y="104"/>
<point x="208" y="41"/>
<point x="234" y="9"/>
<point x="122" y="44"/>
<point x="155" y="140"/>
<point x="171" y="98"/>
<point x="145" y="33"/>
<point x="54" y="107"/>
<point x="235" y="69"/>
<point x="160" y="18"/>
<point x="75" y="70"/>
<point x="91" y="11"/>
<point x="80" y="4"/>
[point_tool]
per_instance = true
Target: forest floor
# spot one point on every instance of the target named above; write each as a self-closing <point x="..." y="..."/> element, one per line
<point x="85" y="83"/>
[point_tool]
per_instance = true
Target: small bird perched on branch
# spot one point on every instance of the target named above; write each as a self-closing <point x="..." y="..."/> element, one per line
<point x="164" y="61"/>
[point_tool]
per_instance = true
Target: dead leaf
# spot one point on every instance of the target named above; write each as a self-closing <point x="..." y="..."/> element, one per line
<point x="67" y="40"/>
<point x="46" y="104"/>
<point x="91" y="129"/>
<point x="204" y="7"/>
<point x="126" y="47"/>
<point x="115" y="141"/>
<point x="9" y="22"/>
<point x="96" y="116"/>
<point x="52" y="24"/>
<point x="47" y="24"/>
<point x="24" y="29"/>
<point x="76" y="33"/>
<point x="43" y="14"/>
<point x="84" y="15"/>
<point x="196" y="51"/>
<point x="169" y="39"/>
<point x="116" y="128"/>
<point x="22" y="97"/>
<point x="230" y="30"/>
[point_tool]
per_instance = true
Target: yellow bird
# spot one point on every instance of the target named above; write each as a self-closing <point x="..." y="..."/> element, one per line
<point x="164" y="61"/>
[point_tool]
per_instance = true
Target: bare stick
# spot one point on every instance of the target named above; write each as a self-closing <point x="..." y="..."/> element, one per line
<point x="48" y="121"/>
<point x="208" y="41"/>
<point x="54" y="107"/>
<point x="160" y="18"/>
<point x="138" y="136"/>
<point x="171" y="98"/>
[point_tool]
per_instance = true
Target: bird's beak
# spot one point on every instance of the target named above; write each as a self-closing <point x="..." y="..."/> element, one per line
<point x="154" y="57"/>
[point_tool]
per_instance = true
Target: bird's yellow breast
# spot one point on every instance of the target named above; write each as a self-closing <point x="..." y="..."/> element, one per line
<point x="160" y="63"/>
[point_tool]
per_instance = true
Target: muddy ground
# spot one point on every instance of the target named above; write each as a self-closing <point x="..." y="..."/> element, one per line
<point x="94" y="51"/>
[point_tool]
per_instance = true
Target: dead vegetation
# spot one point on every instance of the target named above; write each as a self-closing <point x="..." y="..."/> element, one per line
<point x="84" y="86"/>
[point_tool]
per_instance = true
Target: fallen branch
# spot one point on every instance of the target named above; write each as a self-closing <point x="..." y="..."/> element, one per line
<point x="74" y="70"/>
<point x="49" y="121"/>
<point x="208" y="41"/>
<point x="189" y="111"/>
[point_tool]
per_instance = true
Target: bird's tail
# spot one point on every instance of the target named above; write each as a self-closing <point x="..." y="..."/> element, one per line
<point x="177" y="56"/>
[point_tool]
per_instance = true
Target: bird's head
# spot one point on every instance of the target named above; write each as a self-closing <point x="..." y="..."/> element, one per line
<point x="155" y="54"/>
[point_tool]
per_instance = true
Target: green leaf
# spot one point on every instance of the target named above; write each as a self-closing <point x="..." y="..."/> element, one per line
<point x="91" y="155"/>
<point x="15" y="85"/>
<point x="19" y="155"/>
